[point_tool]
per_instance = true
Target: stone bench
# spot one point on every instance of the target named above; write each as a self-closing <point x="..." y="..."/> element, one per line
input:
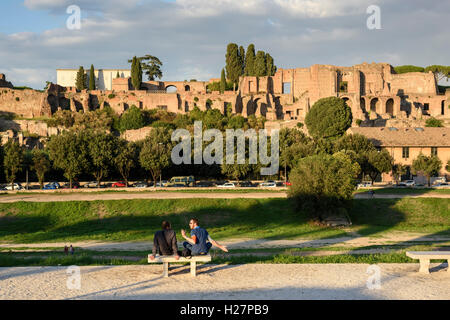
<point x="165" y="260"/>
<point x="425" y="257"/>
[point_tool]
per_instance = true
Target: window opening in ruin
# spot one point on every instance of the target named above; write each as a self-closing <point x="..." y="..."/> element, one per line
<point x="286" y="87"/>
<point x="343" y="87"/>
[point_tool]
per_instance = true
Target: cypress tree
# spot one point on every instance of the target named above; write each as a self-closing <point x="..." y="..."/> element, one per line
<point x="260" y="64"/>
<point x="80" y="82"/>
<point x="249" y="69"/>
<point x="271" y="68"/>
<point x="92" y="78"/>
<point x="118" y="74"/>
<point x="223" y="82"/>
<point x="136" y="73"/>
<point x="242" y="59"/>
<point x="233" y="64"/>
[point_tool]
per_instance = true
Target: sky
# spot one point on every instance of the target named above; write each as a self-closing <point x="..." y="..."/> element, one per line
<point x="190" y="36"/>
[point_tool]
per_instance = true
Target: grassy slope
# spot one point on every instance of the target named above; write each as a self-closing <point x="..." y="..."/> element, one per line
<point x="127" y="220"/>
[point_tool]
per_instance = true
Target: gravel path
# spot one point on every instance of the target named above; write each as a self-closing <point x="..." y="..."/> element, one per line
<point x="51" y="197"/>
<point x="220" y="282"/>
<point x="388" y="239"/>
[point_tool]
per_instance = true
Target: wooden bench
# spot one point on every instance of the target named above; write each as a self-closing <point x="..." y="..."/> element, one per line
<point x="165" y="260"/>
<point x="425" y="257"/>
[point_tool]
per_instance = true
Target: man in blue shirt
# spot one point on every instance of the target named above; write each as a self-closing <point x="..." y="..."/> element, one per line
<point x="200" y="241"/>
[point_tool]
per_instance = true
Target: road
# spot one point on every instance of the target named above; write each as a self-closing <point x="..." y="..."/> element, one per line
<point x="86" y="196"/>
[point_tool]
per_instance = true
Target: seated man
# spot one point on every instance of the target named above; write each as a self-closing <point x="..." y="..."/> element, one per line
<point x="165" y="242"/>
<point x="200" y="242"/>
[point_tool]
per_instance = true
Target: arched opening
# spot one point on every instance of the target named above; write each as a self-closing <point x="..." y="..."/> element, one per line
<point x="443" y="107"/>
<point x="390" y="107"/>
<point x="187" y="88"/>
<point x="362" y="102"/>
<point x="171" y="89"/>
<point x="186" y="106"/>
<point x="374" y="105"/>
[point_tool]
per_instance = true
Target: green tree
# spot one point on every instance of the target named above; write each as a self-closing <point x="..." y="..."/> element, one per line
<point x="151" y="66"/>
<point x="447" y="167"/>
<point x="328" y="118"/>
<point x="156" y="152"/>
<point x="427" y="166"/>
<point x="271" y="68"/>
<point x="249" y="69"/>
<point x="13" y="160"/>
<point x="41" y="165"/>
<point x="294" y="145"/>
<point x="398" y="170"/>
<point x="69" y="153"/>
<point x="440" y="72"/>
<point x="136" y="73"/>
<point x="408" y="68"/>
<point x="80" y="81"/>
<point x="92" y="78"/>
<point x="223" y="82"/>
<point x="102" y="151"/>
<point x="131" y="119"/>
<point x="378" y="162"/>
<point x="125" y="158"/>
<point x="117" y="75"/>
<point x="242" y="59"/>
<point x="233" y="63"/>
<point x="358" y="144"/>
<point x="260" y="64"/>
<point x="433" y="122"/>
<point x="323" y="185"/>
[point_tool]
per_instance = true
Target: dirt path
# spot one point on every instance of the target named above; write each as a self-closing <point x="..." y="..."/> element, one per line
<point x="350" y="242"/>
<point x="222" y="282"/>
<point x="49" y="197"/>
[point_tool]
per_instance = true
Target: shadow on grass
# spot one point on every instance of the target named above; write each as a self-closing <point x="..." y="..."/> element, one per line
<point x="133" y="220"/>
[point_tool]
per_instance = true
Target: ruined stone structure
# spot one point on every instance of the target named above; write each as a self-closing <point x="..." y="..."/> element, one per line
<point x="4" y="83"/>
<point x="375" y="93"/>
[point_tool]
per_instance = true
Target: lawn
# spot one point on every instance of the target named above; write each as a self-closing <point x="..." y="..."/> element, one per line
<point x="137" y="220"/>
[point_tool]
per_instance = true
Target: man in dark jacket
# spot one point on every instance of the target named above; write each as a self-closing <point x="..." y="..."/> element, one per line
<point x="165" y="242"/>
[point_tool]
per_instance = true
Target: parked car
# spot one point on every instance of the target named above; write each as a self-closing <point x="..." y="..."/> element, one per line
<point x="407" y="183"/>
<point x="93" y="184"/>
<point x="119" y="184"/>
<point x="52" y="186"/>
<point x="443" y="185"/>
<point x="140" y="184"/>
<point x="187" y="181"/>
<point x="204" y="184"/>
<point x="164" y="183"/>
<point x="364" y="185"/>
<point x="75" y="185"/>
<point x="268" y="184"/>
<point x="287" y="184"/>
<point x="246" y="184"/>
<point x="227" y="185"/>
<point x="15" y="186"/>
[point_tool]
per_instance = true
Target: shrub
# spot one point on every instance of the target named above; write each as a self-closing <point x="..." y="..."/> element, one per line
<point x="300" y="125"/>
<point x="433" y="122"/>
<point x="323" y="185"/>
<point x="358" y="122"/>
<point x="131" y="119"/>
<point x="111" y="96"/>
<point x="17" y="99"/>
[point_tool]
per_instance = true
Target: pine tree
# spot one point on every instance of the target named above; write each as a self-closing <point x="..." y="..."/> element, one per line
<point x="260" y="64"/>
<point x="223" y="82"/>
<point x="92" y="78"/>
<point x="80" y="82"/>
<point x="271" y="68"/>
<point x="249" y="69"/>
<point x="233" y="64"/>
